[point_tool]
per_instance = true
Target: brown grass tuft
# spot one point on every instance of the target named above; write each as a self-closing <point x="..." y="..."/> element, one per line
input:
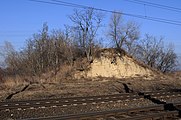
<point x="10" y="82"/>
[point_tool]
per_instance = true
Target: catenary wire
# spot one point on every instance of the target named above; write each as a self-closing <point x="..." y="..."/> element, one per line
<point x="170" y="8"/>
<point x="68" y="4"/>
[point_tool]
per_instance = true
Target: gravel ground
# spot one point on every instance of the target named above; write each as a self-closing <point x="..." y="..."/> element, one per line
<point x="86" y="88"/>
<point x="171" y="99"/>
<point x="43" y="112"/>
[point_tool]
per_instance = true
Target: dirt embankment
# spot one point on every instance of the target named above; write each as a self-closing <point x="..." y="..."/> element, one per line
<point x="111" y="64"/>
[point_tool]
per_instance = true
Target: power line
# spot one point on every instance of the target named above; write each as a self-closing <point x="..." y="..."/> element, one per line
<point x="68" y="4"/>
<point x="14" y="31"/>
<point x="40" y="1"/>
<point x="13" y="35"/>
<point x="165" y="7"/>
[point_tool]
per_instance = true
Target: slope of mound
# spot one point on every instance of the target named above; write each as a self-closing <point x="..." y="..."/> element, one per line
<point x="110" y="63"/>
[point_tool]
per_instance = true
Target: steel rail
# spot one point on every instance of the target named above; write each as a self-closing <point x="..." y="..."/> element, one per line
<point x="75" y="101"/>
<point x="68" y="101"/>
<point x="104" y="114"/>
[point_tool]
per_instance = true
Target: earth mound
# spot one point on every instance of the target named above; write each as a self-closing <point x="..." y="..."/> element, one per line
<point x="113" y="63"/>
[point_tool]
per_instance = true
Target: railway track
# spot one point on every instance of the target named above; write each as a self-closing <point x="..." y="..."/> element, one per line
<point x="75" y="101"/>
<point x="163" y="94"/>
<point x="64" y="102"/>
<point x="149" y="113"/>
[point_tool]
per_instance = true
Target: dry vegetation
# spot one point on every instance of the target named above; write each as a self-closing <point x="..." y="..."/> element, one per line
<point x="90" y="87"/>
<point x="72" y="62"/>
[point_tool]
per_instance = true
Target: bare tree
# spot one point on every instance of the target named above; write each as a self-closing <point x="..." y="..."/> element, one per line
<point x="62" y="49"/>
<point x="179" y="61"/>
<point x="86" y="24"/>
<point x="11" y="58"/>
<point x="30" y="58"/>
<point x="168" y="59"/>
<point x="2" y="61"/>
<point x="46" y="52"/>
<point x="123" y="35"/>
<point x="1" y="74"/>
<point x="153" y="53"/>
<point x="149" y="50"/>
<point x="2" y="57"/>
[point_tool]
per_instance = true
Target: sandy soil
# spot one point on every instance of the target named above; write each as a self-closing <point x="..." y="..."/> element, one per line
<point x="112" y="64"/>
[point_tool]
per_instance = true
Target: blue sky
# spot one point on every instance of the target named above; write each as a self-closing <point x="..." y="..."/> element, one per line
<point x="21" y="18"/>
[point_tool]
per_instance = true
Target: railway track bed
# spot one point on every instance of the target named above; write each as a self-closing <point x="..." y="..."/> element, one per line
<point x="151" y="112"/>
<point x="83" y="106"/>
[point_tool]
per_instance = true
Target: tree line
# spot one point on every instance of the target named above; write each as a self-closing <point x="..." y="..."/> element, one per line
<point x="47" y="50"/>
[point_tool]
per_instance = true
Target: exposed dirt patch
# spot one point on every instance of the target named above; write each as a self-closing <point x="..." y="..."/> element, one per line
<point x="111" y="64"/>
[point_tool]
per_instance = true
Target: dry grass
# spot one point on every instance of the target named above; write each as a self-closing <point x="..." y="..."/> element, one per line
<point x="11" y="82"/>
<point x="11" y="85"/>
<point x="89" y="87"/>
<point x="175" y="75"/>
<point x="64" y="74"/>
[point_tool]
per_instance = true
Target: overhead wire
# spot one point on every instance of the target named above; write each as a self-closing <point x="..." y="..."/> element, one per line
<point x="160" y="6"/>
<point x="69" y="4"/>
<point x="53" y="3"/>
